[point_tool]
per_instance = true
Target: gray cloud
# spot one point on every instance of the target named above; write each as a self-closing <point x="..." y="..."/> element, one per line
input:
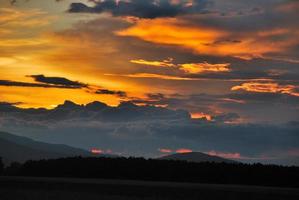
<point x="45" y="82"/>
<point x="141" y="8"/>
<point x="9" y="83"/>
<point x="111" y="92"/>
<point x="233" y="106"/>
<point x="58" y="81"/>
<point x="12" y="2"/>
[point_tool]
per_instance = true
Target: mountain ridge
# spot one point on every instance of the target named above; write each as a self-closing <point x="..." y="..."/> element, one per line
<point x="197" y="157"/>
<point x="20" y="149"/>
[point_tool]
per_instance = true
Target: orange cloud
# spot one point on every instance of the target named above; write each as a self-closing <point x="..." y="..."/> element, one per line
<point x="157" y="76"/>
<point x="191" y="68"/>
<point x="269" y="87"/>
<point x="100" y="151"/>
<point x="38" y="97"/>
<point x="4" y="61"/>
<point x="201" y="115"/>
<point x="164" y="63"/>
<point x="206" y="40"/>
<point x="170" y="31"/>
<point x="196" y="68"/>
<point x="183" y="150"/>
<point x="96" y="151"/>
<point x="225" y="155"/>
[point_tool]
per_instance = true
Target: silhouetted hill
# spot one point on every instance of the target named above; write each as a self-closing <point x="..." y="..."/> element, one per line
<point x="160" y="170"/>
<point x="196" y="157"/>
<point x="15" y="148"/>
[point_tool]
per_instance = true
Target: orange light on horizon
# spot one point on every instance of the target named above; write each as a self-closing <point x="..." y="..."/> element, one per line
<point x="226" y="155"/>
<point x="184" y="150"/>
<point x="201" y="115"/>
<point x="163" y="150"/>
<point x="96" y="151"/>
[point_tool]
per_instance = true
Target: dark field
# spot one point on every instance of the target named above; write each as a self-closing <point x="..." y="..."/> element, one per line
<point x="84" y="189"/>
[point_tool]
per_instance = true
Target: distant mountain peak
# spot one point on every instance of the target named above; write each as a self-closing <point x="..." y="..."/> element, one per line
<point x="197" y="157"/>
<point x="15" y="148"/>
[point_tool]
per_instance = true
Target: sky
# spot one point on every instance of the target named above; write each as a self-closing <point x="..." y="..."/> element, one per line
<point x="233" y="62"/>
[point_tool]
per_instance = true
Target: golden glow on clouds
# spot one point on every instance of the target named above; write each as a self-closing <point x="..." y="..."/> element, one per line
<point x="29" y="46"/>
<point x="22" y="42"/>
<point x="270" y="87"/>
<point x="164" y="63"/>
<point x="201" y="115"/>
<point x="17" y="23"/>
<point x="171" y="31"/>
<point x="37" y="97"/>
<point x="6" y="61"/>
<point x="196" y="68"/>
<point x="157" y="76"/>
<point x="190" y="68"/>
<point x="209" y="41"/>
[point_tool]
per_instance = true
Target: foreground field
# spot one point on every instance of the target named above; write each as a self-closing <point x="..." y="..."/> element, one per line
<point x="22" y="188"/>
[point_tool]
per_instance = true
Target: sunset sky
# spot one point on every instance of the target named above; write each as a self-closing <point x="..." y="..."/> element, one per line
<point x="212" y="58"/>
<point x="208" y="57"/>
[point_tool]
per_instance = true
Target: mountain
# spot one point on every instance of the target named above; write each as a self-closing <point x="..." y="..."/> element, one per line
<point x="196" y="157"/>
<point x="19" y="149"/>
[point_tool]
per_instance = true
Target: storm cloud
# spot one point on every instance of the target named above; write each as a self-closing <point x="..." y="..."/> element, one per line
<point x="58" y="81"/>
<point x="45" y="82"/>
<point x="141" y="8"/>
<point x="111" y="92"/>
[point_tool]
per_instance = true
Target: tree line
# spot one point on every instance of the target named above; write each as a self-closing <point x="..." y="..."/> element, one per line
<point x="1" y="166"/>
<point x="158" y="170"/>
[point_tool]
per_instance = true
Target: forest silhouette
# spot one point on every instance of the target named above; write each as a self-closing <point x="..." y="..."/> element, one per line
<point x="158" y="170"/>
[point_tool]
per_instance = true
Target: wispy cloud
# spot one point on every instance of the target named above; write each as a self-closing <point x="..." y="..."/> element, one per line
<point x="189" y="68"/>
<point x="268" y="87"/>
<point x="164" y="63"/>
<point x="155" y="76"/>
<point x="111" y="92"/>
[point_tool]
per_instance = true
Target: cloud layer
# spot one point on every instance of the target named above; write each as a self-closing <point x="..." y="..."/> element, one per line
<point x="150" y="131"/>
<point x="142" y="8"/>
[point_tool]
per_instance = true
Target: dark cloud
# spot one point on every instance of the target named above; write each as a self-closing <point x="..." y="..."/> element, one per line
<point x="236" y="106"/>
<point x="111" y="92"/>
<point x="227" y="117"/>
<point x="141" y="8"/>
<point x="141" y="130"/>
<point x="155" y="96"/>
<point x="45" y="82"/>
<point x="12" y="2"/>
<point x="9" y="83"/>
<point x="58" y="81"/>
<point x="8" y="106"/>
